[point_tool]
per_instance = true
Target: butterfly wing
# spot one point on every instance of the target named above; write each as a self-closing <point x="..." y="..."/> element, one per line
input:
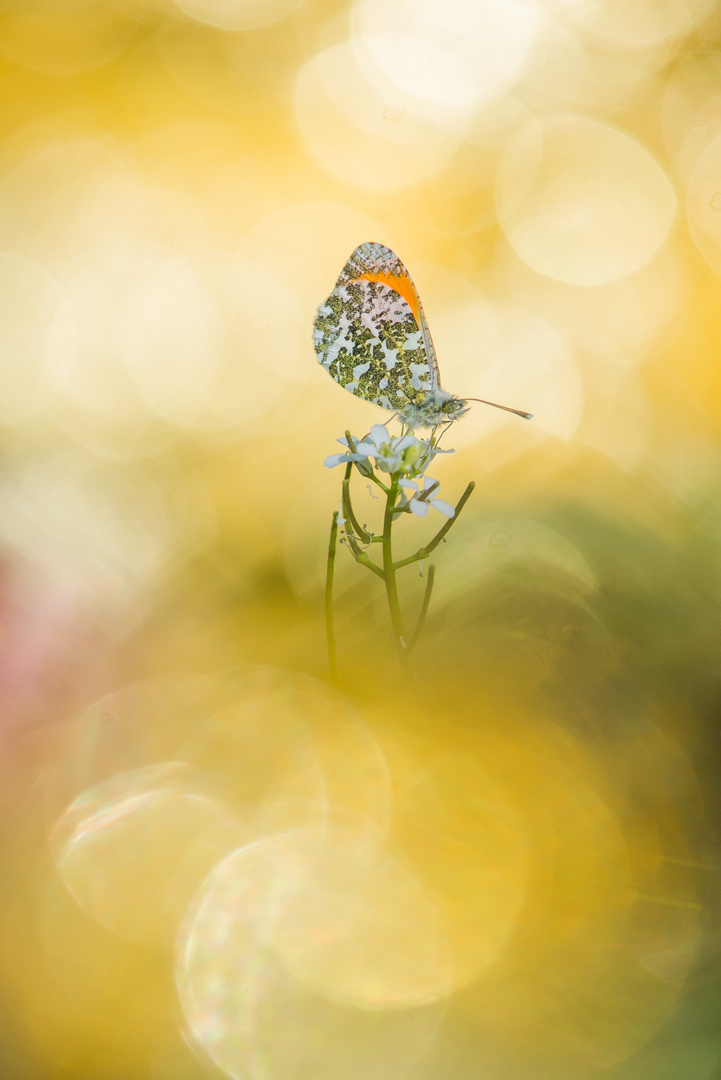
<point x="371" y="333"/>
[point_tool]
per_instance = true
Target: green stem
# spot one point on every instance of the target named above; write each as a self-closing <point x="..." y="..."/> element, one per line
<point x="361" y="556"/>
<point x="424" y="552"/>
<point x="363" y="536"/>
<point x="424" y="605"/>
<point x="379" y="483"/>
<point x="390" y="574"/>
<point x="330" y="634"/>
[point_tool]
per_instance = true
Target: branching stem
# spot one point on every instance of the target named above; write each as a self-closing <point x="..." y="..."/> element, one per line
<point x="362" y="557"/>
<point x="357" y="538"/>
<point x="424" y="552"/>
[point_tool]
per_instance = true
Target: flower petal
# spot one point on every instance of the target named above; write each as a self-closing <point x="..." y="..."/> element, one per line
<point x="420" y="509"/>
<point x="443" y="507"/>
<point x="335" y="459"/>
<point x="378" y="434"/>
<point x="365" y="450"/>
<point x="410" y="484"/>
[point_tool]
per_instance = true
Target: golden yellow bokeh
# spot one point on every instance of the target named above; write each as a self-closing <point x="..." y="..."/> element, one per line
<point x="501" y="863"/>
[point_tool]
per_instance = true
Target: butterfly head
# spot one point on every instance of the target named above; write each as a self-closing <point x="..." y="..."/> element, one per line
<point x="437" y="407"/>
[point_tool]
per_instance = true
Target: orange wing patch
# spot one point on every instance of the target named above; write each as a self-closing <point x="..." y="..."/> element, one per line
<point x="402" y="285"/>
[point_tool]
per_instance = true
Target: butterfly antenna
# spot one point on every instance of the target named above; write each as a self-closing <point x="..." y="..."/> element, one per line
<point x="518" y="412"/>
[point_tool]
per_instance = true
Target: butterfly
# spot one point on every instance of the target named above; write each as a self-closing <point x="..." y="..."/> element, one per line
<point x="372" y="337"/>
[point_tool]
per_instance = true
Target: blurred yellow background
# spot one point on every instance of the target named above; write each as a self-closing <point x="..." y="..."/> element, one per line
<point x="213" y="864"/>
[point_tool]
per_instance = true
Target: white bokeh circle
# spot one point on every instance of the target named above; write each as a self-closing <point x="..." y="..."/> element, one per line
<point x="582" y="201"/>
<point x="703" y="204"/>
<point x="454" y="52"/>
<point x="273" y="975"/>
<point x="366" y="129"/>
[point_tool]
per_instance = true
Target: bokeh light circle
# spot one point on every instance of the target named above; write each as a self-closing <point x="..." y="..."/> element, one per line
<point x="366" y="129"/>
<point x="238" y="992"/>
<point x="363" y="930"/>
<point x="582" y="201"/>
<point x="703" y="204"/>
<point x="567" y="71"/>
<point x="133" y="849"/>
<point x="642" y="22"/>
<point x="39" y="335"/>
<point x="450" y="52"/>
<point x="99" y="536"/>
<point x="195" y="339"/>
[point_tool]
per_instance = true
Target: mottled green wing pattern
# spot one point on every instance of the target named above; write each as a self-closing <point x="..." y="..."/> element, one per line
<point x="367" y="336"/>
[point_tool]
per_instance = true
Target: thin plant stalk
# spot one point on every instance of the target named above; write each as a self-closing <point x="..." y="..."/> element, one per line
<point x="330" y="633"/>
<point x="360" y="532"/>
<point x="424" y="605"/>
<point x="389" y="574"/>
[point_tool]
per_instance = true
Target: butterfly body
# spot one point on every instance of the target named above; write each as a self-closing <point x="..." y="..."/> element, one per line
<point x="372" y="337"/>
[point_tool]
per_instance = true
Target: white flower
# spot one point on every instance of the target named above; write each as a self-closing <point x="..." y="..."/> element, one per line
<point x="420" y="506"/>
<point x="389" y="451"/>
<point x="362" y="451"/>
<point x="403" y="454"/>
